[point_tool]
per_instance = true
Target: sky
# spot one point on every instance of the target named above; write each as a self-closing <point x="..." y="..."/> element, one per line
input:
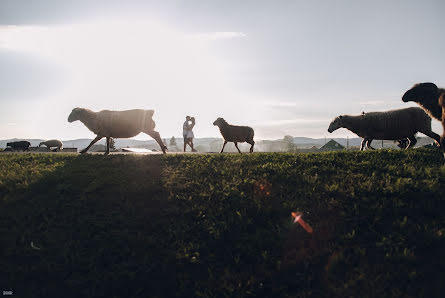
<point x="281" y="67"/>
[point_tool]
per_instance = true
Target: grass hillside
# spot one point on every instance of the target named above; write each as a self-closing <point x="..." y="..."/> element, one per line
<point x="220" y="225"/>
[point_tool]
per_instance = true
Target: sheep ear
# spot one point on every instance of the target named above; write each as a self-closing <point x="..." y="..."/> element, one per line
<point x="339" y="117"/>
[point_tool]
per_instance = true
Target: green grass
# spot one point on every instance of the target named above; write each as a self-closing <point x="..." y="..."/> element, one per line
<point x="220" y="225"/>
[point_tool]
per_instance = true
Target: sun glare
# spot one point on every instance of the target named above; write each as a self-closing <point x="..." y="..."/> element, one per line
<point x="129" y="64"/>
<point x="119" y="53"/>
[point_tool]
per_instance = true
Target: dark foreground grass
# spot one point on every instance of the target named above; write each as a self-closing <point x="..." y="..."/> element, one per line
<point x="220" y="225"/>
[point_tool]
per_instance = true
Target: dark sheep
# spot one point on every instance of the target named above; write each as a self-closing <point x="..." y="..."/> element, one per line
<point x="19" y="145"/>
<point x="390" y="125"/>
<point x="235" y="134"/>
<point x="426" y="95"/>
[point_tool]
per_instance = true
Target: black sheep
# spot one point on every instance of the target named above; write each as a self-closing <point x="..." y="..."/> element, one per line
<point x="19" y="145"/>
<point x="426" y="95"/>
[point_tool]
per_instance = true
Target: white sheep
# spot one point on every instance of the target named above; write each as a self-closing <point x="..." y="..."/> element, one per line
<point x="389" y="125"/>
<point x="117" y="124"/>
<point x="235" y="134"/>
<point x="52" y="144"/>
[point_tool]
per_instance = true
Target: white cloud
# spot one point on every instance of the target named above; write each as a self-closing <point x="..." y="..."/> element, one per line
<point x="216" y="35"/>
<point x="291" y="121"/>
<point x="281" y="104"/>
<point x="373" y="102"/>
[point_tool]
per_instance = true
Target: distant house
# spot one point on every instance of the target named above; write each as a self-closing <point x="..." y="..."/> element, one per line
<point x="332" y="145"/>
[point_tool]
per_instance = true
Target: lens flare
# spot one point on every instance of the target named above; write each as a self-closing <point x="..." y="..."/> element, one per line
<point x="298" y="218"/>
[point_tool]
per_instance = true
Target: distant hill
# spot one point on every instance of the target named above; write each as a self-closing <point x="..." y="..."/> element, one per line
<point x="214" y="144"/>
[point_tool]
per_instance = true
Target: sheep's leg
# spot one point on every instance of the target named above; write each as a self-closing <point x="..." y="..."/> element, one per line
<point x="251" y="147"/>
<point x="411" y="142"/>
<point x="434" y="136"/>
<point x="362" y="146"/>
<point x="97" y="138"/>
<point x="236" y="145"/>
<point x="108" y="146"/>
<point x="368" y="144"/>
<point x="224" y="145"/>
<point x="157" y="137"/>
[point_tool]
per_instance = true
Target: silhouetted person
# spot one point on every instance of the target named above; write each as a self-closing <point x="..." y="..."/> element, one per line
<point x="190" y="135"/>
<point x="187" y="132"/>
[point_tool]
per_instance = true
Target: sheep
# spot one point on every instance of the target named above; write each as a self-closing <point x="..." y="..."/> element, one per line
<point x="52" y="143"/>
<point x="117" y="124"/>
<point x="19" y="145"/>
<point x="427" y="96"/>
<point x="235" y="134"/>
<point x="389" y="125"/>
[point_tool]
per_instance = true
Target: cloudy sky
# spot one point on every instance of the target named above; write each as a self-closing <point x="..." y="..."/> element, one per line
<point x="282" y="67"/>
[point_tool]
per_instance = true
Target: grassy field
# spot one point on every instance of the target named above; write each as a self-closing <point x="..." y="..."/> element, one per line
<point x="220" y="225"/>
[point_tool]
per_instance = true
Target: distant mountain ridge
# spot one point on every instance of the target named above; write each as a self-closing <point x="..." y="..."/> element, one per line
<point x="212" y="144"/>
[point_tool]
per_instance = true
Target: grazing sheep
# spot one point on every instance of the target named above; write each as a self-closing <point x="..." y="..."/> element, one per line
<point x="235" y="134"/>
<point x="19" y="145"/>
<point x="52" y="144"/>
<point x="427" y="96"/>
<point x="117" y="124"/>
<point x="389" y="125"/>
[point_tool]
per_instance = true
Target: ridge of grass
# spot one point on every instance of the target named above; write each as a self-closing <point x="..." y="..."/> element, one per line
<point x="220" y="225"/>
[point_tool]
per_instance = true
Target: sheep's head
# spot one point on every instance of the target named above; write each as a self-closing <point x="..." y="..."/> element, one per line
<point x="219" y="122"/>
<point x="336" y="124"/>
<point x="41" y="143"/>
<point x="421" y="92"/>
<point x="75" y="115"/>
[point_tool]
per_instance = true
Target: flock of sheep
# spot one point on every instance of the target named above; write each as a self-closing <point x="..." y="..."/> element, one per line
<point x="400" y="124"/>
<point x="24" y="145"/>
<point x="126" y="124"/>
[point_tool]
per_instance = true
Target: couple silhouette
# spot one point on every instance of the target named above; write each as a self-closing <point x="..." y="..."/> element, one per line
<point x="187" y="132"/>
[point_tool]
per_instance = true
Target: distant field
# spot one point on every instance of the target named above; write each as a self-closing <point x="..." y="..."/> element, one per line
<point x="220" y="225"/>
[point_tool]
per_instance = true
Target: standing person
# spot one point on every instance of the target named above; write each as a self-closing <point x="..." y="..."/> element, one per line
<point x="190" y="134"/>
<point x="185" y="129"/>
